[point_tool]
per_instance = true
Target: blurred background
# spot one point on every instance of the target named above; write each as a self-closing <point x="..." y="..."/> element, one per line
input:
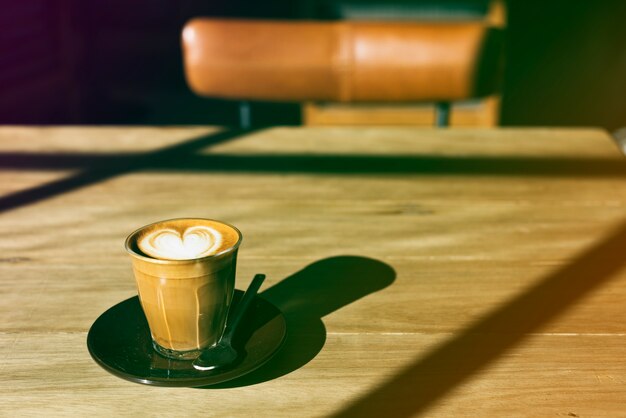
<point x="120" y="62"/>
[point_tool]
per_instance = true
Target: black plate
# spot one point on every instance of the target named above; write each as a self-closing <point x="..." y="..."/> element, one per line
<point x="120" y="342"/>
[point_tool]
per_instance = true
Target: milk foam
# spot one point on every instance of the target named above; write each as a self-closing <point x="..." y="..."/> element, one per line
<point x="169" y="244"/>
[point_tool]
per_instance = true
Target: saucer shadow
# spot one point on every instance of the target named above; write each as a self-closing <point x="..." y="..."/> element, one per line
<point x="305" y="298"/>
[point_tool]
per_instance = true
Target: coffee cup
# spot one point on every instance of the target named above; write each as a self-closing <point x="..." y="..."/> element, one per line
<point x="185" y="274"/>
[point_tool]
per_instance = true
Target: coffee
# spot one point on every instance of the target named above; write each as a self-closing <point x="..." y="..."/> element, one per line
<point x="186" y="239"/>
<point x="185" y="275"/>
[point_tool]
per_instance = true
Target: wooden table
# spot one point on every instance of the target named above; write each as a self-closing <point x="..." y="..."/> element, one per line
<point x="422" y="272"/>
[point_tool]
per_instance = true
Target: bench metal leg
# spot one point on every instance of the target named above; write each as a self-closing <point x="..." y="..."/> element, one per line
<point x="442" y="114"/>
<point x="245" y="119"/>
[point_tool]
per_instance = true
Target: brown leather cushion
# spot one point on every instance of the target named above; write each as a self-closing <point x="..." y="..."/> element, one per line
<point x="334" y="61"/>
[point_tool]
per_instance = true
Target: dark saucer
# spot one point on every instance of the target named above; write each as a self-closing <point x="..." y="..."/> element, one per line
<point x="119" y="341"/>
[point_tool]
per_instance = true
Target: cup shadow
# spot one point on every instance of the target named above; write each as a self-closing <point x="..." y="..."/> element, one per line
<point x="305" y="298"/>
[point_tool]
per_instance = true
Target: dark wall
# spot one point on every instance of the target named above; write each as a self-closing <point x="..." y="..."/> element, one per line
<point x="115" y="61"/>
<point x="566" y="63"/>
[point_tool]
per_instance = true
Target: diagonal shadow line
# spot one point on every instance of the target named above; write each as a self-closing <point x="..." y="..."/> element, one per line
<point x="431" y="377"/>
<point x="114" y="168"/>
<point x="333" y="163"/>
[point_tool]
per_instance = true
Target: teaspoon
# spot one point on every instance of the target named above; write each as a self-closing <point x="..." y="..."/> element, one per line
<point x="223" y="353"/>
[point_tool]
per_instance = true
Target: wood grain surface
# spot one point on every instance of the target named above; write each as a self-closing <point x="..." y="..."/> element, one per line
<point x="423" y="272"/>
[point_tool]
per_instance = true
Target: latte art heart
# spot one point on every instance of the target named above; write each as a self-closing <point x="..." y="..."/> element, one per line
<point x="169" y="244"/>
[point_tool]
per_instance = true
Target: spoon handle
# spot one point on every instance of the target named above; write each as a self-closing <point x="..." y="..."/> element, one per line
<point x="243" y="306"/>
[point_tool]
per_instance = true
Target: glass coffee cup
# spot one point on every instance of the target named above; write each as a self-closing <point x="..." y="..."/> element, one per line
<point x="185" y="274"/>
